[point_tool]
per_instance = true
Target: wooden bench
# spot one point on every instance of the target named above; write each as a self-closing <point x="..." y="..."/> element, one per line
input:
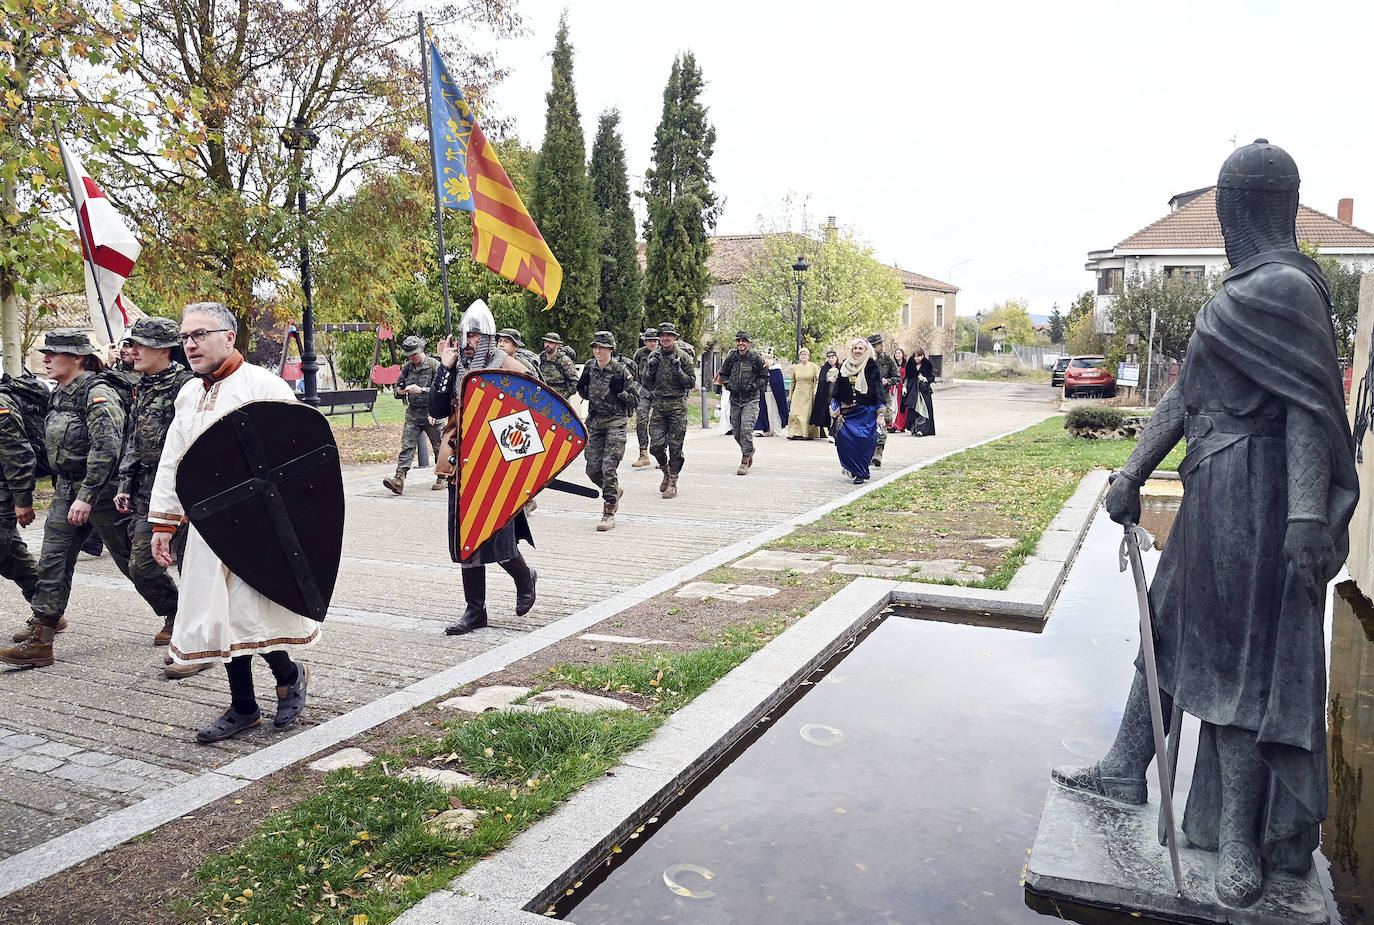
<point x="351" y="402"/>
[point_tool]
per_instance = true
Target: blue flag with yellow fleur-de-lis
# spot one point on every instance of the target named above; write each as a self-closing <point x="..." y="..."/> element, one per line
<point x="504" y="236"/>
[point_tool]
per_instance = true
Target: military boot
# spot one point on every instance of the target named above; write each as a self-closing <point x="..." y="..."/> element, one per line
<point x="643" y="461"/>
<point x="607" y="517"/>
<point x="34" y="652"/>
<point x="440" y="483"/>
<point x="21" y="634"/>
<point x="745" y="462"/>
<point x="878" y="457"/>
<point x="397" y="482"/>
<point x="671" y="490"/>
<point x="164" y="635"/>
<point x="663" y="485"/>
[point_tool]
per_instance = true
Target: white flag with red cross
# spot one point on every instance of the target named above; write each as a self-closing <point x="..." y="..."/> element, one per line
<point x="108" y="251"/>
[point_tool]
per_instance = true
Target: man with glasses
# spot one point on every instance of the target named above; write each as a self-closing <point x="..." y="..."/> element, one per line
<point x="220" y="618"/>
<point x="84" y="432"/>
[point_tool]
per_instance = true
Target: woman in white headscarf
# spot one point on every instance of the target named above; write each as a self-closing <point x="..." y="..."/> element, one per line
<point x="858" y="387"/>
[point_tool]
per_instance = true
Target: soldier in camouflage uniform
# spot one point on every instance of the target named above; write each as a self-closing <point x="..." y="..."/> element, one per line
<point x="892" y="375"/>
<point x="669" y="377"/>
<point x="84" y="436"/>
<point x="513" y="342"/>
<point x="609" y="391"/>
<point x="745" y="374"/>
<point x="413" y="388"/>
<point x="649" y="339"/>
<point x="555" y="368"/>
<point x="18" y="473"/>
<point x="158" y="380"/>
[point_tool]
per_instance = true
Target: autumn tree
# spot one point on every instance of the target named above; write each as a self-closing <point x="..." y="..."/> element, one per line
<point x="682" y="206"/>
<point x="1009" y="322"/>
<point x="621" y="298"/>
<point x="1174" y="301"/>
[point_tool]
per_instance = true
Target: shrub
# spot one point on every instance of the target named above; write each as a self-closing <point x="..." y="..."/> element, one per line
<point x="1094" y="417"/>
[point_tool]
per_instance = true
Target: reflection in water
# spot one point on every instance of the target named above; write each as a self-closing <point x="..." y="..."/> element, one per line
<point x="924" y="808"/>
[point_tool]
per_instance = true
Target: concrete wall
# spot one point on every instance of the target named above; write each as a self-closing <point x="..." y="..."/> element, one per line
<point x="1361" y="561"/>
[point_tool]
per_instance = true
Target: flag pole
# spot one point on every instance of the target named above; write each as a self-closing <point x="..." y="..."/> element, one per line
<point x="434" y="172"/>
<point x="87" y="251"/>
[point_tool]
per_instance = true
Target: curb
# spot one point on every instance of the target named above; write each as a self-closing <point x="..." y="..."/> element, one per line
<point x="71" y="848"/>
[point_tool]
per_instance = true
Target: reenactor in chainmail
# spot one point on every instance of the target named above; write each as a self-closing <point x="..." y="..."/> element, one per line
<point x="413" y="387"/>
<point x="669" y="377"/>
<point x="555" y="367"/>
<point x="513" y="342"/>
<point x="892" y="375"/>
<point x="609" y="390"/>
<point x="84" y="434"/>
<point x="158" y="379"/>
<point x="649" y="339"/>
<point x="18" y="474"/>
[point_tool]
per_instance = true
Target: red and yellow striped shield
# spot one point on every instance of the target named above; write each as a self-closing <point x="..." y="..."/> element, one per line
<point x="516" y="435"/>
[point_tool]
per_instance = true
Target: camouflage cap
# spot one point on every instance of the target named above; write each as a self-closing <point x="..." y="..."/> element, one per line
<point x="512" y="335"/>
<point x="744" y="336"/>
<point x="68" y="340"/>
<point x="603" y="339"/>
<point x="412" y="345"/>
<point x="552" y="338"/>
<point x="667" y="327"/>
<point x="161" y="333"/>
<point x="875" y="339"/>
<point x="649" y="334"/>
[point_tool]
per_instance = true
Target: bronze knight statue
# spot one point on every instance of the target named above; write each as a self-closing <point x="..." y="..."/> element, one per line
<point x="1239" y="595"/>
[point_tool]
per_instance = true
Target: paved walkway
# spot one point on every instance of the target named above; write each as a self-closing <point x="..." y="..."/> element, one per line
<point x="103" y="729"/>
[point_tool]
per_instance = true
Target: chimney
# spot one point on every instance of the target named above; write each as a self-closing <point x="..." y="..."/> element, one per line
<point x="1345" y="211"/>
<point x="831" y="231"/>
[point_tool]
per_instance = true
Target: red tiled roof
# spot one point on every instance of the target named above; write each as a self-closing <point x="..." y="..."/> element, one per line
<point x="1195" y="225"/>
<point x="917" y="281"/>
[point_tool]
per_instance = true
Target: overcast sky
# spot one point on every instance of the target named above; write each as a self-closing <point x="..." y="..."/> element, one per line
<point x="991" y="145"/>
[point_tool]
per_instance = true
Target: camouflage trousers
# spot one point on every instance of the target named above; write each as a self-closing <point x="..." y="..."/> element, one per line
<point x="885" y="420"/>
<point x="605" y="449"/>
<point x="16" y="562"/>
<point x="410" y="439"/>
<point x="744" y="416"/>
<point x="141" y="561"/>
<point x="642" y="414"/>
<point x="62" y="542"/>
<point x="667" y="431"/>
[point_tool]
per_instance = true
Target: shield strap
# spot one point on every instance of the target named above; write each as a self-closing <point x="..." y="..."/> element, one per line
<point x="266" y="483"/>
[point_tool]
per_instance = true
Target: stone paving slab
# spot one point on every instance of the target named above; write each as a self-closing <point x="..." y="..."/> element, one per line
<point x="106" y="694"/>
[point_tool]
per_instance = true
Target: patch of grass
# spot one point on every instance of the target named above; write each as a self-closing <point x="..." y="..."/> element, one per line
<point x="671" y="679"/>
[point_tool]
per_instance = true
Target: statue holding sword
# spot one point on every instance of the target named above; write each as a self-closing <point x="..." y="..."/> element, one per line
<point x="1238" y="598"/>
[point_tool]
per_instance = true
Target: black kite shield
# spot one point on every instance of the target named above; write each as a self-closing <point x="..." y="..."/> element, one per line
<point x="262" y="485"/>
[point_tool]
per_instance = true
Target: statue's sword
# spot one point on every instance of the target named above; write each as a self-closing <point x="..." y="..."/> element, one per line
<point x="1135" y="540"/>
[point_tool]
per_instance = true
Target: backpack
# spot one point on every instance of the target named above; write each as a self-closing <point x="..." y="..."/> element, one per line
<point x="122" y="383"/>
<point x="31" y="397"/>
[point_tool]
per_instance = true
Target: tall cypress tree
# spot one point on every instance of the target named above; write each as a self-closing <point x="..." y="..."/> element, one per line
<point x="622" y="283"/>
<point x="562" y="208"/>
<point x="682" y="206"/>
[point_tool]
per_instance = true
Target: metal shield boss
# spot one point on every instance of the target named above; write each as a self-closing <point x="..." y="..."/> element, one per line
<point x="516" y="435"/>
<point x="262" y="486"/>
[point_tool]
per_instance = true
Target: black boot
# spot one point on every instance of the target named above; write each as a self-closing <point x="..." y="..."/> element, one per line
<point x="525" y="578"/>
<point x="475" y="593"/>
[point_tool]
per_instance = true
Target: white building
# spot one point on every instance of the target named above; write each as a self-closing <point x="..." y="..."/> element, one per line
<point x="1188" y="241"/>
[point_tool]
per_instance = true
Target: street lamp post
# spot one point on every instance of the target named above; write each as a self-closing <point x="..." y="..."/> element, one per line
<point x="300" y="140"/>
<point x="799" y="268"/>
<point x="977" y="336"/>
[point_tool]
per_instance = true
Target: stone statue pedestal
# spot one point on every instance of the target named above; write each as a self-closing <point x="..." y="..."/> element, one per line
<point x="1097" y="852"/>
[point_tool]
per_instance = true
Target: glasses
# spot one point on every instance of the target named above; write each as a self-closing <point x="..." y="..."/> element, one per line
<point x="196" y="337"/>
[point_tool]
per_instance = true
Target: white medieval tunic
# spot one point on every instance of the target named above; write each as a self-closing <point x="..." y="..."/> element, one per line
<point x="219" y="616"/>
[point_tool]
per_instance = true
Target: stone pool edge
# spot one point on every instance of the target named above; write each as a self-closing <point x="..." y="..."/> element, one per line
<point x="534" y="869"/>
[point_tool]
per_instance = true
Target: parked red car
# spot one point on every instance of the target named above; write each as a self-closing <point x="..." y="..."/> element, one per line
<point x="1085" y="377"/>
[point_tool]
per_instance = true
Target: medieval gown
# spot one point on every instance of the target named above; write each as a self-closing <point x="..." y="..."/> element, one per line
<point x="219" y="616"/>
<point x="804" y="379"/>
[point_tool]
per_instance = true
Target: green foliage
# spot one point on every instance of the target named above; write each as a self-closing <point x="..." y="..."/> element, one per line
<point x="1093" y="416"/>
<point x="682" y="206"/>
<point x="1009" y="322"/>
<point x="965" y="332"/>
<point x="621" y="299"/>
<point x="562" y="207"/>
<point x="846" y="291"/>
<point x="1059" y="325"/>
<point x="1344" y="280"/>
<point x="1083" y="306"/>
<point x="1175" y="301"/>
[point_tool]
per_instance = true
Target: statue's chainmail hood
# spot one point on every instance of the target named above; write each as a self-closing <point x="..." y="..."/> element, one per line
<point x="1257" y="201"/>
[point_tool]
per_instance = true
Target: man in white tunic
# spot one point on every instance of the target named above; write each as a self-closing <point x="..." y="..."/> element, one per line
<point x="219" y="617"/>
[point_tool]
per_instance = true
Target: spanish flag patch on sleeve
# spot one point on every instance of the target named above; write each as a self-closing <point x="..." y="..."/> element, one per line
<point x="96" y="398"/>
<point x="4" y="411"/>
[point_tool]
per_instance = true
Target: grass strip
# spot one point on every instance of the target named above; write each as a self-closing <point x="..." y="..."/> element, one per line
<point x="371" y="844"/>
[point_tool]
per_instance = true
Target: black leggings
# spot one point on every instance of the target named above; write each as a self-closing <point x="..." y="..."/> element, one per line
<point x="240" y="671"/>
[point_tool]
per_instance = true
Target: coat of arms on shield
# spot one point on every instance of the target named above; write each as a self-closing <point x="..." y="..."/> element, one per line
<point x="516" y="434"/>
